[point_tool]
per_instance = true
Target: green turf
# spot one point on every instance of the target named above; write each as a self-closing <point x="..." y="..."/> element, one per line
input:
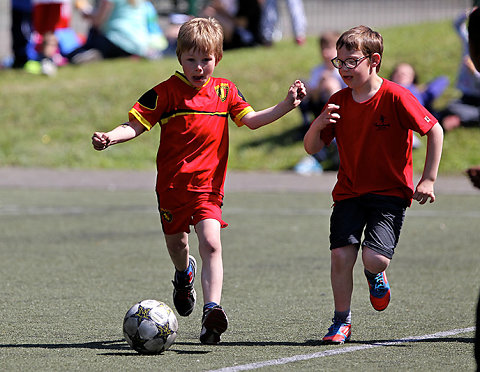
<point x="73" y="262"/>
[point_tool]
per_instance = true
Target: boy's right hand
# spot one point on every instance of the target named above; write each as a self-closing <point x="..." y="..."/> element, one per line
<point x="100" y="141"/>
<point x="328" y="116"/>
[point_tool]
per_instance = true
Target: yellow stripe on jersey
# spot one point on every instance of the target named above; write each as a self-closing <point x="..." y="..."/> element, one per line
<point x="134" y="114"/>
<point x="166" y="119"/>
<point x="238" y="118"/>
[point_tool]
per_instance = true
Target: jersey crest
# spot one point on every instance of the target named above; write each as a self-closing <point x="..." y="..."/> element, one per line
<point x="222" y="91"/>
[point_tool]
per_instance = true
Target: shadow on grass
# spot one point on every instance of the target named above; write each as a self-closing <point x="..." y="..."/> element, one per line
<point x="100" y="345"/>
<point x="286" y="138"/>
<point x="124" y="350"/>
<point x="116" y="347"/>
<point x="399" y="342"/>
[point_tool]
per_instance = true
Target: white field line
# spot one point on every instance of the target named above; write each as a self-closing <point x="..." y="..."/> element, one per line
<point x="341" y="350"/>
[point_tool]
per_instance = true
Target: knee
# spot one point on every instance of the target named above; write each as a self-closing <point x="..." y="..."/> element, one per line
<point x="374" y="261"/>
<point x="209" y="248"/>
<point x="344" y="257"/>
<point x="177" y="243"/>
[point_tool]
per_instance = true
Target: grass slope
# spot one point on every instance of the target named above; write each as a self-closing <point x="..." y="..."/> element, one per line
<point x="48" y="122"/>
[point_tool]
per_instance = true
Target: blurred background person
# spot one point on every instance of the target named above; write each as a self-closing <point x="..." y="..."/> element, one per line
<point x="240" y="20"/>
<point x="48" y="16"/>
<point x="118" y="28"/>
<point x="464" y="111"/>
<point x="270" y="17"/>
<point x="406" y="75"/>
<point x="324" y="81"/>
<point x="21" y="31"/>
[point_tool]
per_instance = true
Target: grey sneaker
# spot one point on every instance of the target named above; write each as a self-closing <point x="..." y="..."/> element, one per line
<point x="184" y="295"/>
<point x="214" y="323"/>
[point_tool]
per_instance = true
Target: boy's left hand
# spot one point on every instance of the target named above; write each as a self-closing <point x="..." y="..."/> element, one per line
<point x="297" y="92"/>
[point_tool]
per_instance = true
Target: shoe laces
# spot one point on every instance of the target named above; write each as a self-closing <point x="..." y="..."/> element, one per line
<point x="337" y="324"/>
<point x="379" y="283"/>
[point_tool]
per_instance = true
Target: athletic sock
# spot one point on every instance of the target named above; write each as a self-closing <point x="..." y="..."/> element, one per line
<point x="186" y="276"/>
<point x="343" y="316"/>
<point x="370" y="276"/>
<point x="209" y="305"/>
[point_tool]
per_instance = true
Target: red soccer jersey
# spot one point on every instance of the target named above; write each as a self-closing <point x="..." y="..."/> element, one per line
<point x="193" y="147"/>
<point x="374" y="141"/>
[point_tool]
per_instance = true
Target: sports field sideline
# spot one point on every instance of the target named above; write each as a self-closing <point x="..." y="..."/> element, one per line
<point x="236" y="181"/>
<point x="78" y="248"/>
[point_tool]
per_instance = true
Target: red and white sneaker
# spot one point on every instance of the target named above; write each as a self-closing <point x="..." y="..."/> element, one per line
<point x="338" y="333"/>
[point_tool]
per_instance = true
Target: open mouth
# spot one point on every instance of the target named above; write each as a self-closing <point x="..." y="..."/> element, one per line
<point x="198" y="79"/>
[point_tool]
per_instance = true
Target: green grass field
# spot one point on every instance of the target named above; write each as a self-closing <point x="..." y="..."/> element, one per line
<point x="74" y="261"/>
<point x="48" y="122"/>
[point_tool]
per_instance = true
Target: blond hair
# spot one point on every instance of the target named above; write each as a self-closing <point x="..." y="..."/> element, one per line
<point x="364" y="39"/>
<point x="201" y="34"/>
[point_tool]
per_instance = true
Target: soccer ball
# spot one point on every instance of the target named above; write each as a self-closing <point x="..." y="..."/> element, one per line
<point x="150" y="327"/>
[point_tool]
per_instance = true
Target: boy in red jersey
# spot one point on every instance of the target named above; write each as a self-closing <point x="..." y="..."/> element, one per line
<point x="372" y="120"/>
<point x="193" y="108"/>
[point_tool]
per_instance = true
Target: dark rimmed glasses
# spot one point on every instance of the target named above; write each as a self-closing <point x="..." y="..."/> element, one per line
<point x="349" y="63"/>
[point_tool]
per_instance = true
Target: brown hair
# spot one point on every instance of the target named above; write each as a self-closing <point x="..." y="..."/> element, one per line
<point x="364" y="39"/>
<point x="202" y="34"/>
<point x="328" y="39"/>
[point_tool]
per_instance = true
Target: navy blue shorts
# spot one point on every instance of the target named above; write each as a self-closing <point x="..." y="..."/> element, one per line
<point x="378" y="217"/>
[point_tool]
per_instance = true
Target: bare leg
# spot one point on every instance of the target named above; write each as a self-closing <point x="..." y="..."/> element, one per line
<point x="210" y="248"/>
<point x="177" y="245"/>
<point x="342" y="262"/>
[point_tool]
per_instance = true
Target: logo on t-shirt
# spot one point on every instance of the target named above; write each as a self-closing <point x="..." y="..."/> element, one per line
<point x="222" y="91"/>
<point x="382" y="125"/>
<point x="427" y="119"/>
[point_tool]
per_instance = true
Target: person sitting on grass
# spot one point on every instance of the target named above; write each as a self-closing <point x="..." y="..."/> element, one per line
<point x="192" y="109"/>
<point x="373" y="121"/>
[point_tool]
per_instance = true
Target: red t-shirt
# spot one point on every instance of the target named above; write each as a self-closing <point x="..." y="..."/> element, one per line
<point x="193" y="147"/>
<point x="374" y="140"/>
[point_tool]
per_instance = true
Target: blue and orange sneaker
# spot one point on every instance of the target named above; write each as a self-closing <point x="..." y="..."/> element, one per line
<point x="184" y="295"/>
<point x="338" y="333"/>
<point x="379" y="291"/>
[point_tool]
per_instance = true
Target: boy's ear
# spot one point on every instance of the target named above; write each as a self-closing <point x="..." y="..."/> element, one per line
<point x="375" y="59"/>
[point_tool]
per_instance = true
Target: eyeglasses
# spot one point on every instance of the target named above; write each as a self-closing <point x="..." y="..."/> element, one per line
<point x="349" y="63"/>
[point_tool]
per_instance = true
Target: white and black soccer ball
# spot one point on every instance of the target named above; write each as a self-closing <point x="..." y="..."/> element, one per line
<point x="150" y="327"/>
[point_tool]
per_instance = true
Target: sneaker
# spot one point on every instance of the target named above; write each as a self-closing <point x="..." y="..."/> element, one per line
<point x="49" y="67"/>
<point x="338" y="333"/>
<point x="184" y="295"/>
<point x="90" y="55"/>
<point x="379" y="291"/>
<point x="214" y="323"/>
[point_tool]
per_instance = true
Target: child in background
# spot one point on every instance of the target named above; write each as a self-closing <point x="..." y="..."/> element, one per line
<point x="373" y="121"/>
<point x="324" y="81"/>
<point x="464" y="111"/>
<point x="192" y="109"/>
<point x="405" y="75"/>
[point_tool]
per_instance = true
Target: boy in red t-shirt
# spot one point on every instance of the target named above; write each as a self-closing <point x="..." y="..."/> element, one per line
<point x="372" y="120"/>
<point x="192" y="109"/>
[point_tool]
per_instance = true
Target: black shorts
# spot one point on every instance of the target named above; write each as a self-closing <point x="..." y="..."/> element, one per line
<point x="379" y="217"/>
